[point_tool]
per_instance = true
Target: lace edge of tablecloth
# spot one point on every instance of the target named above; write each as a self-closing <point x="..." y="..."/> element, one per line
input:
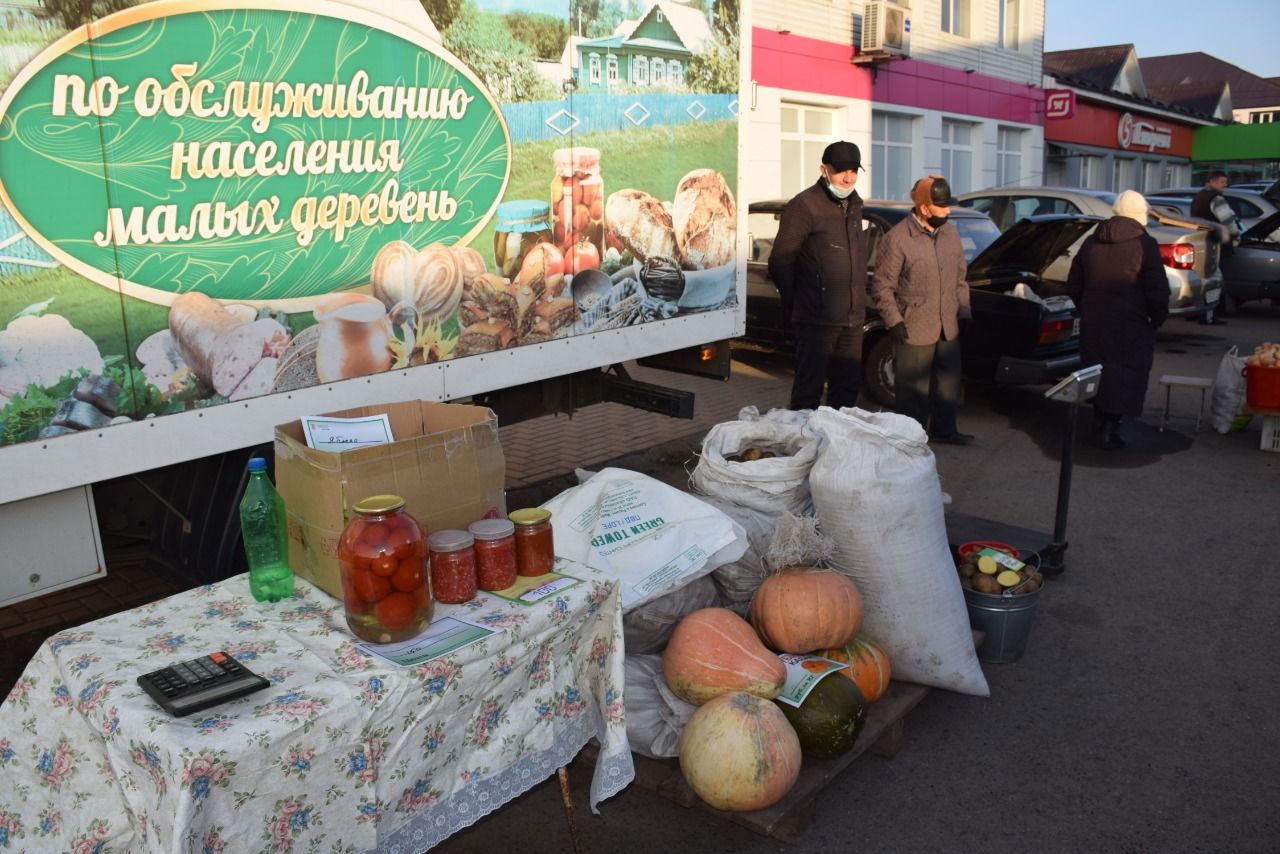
<point x="613" y="773"/>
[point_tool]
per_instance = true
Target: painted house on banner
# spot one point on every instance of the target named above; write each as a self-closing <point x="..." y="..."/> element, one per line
<point x="653" y="52"/>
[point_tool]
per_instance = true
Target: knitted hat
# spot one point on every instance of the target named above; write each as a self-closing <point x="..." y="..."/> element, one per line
<point x="1133" y="205"/>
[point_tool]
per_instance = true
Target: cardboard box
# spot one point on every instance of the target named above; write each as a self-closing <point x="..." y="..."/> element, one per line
<point x="446" y="462"/>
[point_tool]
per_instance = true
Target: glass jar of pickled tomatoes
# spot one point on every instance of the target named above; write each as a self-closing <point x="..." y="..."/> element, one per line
<point x="535" y="548"/>
<point x="453" y="566"/>
<point x="495" y="553"/>
<point x="383" y="559"/>
<point x="577" y="199"/>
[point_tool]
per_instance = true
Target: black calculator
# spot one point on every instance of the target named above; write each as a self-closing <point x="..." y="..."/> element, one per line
<point x="195" y="685"/>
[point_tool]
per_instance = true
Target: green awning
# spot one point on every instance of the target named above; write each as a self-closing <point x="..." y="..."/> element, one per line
<point x="1224" y="143"/>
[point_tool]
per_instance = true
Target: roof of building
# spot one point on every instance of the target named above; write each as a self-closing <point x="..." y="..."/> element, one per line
<point x="1116" y="71"/>
<point x="1201" y="97"/>
<point x="1098" y="67"/>
<point x="1247" y="89"/>
<point x="690" y="25"/>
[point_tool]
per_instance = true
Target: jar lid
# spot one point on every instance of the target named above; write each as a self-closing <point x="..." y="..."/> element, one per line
<point x="579" y="159"/>
<point x="523" y="215"/>
<point x="492" y="529"/>
<point x="449" y="541"/>
<point x="530" y="516"/>
<point x="378" y="504"/>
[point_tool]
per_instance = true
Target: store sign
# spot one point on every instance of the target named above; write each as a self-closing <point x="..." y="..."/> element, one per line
<point x="1142" y="134"/>
<point x="1059" y="103"/>
<point x="260" y="152"/>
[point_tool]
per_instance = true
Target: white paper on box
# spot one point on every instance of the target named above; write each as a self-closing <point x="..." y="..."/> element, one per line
<point x="344" y="434"/>
<point x="652" y="537"/>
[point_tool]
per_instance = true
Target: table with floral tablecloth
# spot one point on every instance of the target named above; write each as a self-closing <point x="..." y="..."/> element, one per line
<point x="343" y="752"/>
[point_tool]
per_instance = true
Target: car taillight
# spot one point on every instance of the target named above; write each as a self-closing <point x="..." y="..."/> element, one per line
<point x="1053" y="331"/>
<point x="1179" y="256"/>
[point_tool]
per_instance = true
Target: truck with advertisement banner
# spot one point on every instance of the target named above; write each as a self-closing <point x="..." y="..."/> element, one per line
<point x="221" y="215"/>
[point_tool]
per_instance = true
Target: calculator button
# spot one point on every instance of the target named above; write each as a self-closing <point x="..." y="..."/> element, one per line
<point x="218" y="657"/>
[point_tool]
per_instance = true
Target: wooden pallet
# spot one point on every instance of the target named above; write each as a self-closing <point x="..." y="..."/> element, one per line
<point x="788" y="819"/>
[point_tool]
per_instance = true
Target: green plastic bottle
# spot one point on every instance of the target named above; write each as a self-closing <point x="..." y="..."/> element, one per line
<point x="265" y="535"/>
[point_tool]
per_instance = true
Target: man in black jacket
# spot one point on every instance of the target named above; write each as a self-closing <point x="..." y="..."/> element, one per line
<point x="1212" y="205"/>
<point x="819" y="265"/>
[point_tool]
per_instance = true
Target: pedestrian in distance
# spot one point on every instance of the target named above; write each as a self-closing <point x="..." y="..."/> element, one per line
<point x="1211" y="204"/>
<point x="819" y="266"/>
<point x="922" y="294"/>
<point x="1118" y="281"/>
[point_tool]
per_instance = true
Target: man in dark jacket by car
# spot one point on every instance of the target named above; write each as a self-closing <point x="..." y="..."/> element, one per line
<point x="922" y="294"/>
<point x="1211" y="204"/>
<point x="1117" y="279"/>
<point x="819" y="265"/>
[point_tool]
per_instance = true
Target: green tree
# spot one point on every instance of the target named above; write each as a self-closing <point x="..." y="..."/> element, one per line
<point x="74" y="13"/>
<point x="546" y="34"/>
<point x="484" y="44"/>
<point x="716" y="68"/>
<point x="724" y="18"/>
<point x="443" y="12"/>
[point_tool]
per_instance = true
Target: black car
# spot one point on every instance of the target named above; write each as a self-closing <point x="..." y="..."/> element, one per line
<point x="1012" y="339"/>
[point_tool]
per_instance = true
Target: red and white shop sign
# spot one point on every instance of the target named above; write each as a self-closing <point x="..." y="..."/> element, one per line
<point x="1141" y="134"/>
<point x="1059" y="103"/>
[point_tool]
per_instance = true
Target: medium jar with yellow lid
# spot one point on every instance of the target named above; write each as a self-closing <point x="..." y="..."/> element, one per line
<point x="382" y="555"/>
<point x="535" y="548"/>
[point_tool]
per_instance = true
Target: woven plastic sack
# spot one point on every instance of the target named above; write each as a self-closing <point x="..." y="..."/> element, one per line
<point x="1229" y="391"/>
<point x="774" y="484"/>
<point x="648" y="628"/>
<point x="876" y="491"/>
<point x="655" y="716"/>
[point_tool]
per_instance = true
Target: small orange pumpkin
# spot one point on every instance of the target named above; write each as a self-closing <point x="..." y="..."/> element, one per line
<point x="800" y="609"/>
<point x="868" y="665"/>
<point x="712" y="652"/>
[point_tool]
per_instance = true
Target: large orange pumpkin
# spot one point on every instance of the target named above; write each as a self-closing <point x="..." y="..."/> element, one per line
<point x="738" y="752"/>
<point x="868" y="665"/>
<point x="712" y="652"/>
<point x="800" y="609"/>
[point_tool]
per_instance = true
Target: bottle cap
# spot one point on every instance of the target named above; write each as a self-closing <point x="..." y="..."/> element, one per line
<point x="530" y="516"/>
<point x="257" y="464"/>
<point x="378" y="504"/>
<point x="492" y="529"/>
<point x="449" y="541"/>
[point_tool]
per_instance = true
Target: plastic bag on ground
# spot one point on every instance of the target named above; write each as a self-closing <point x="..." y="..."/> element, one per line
<point x="650" y="536"/>
<point x="1229" y="391"/>
<point x="876" y="491"/>
<point x="648" y="628"/>
<point x="655" y="716"/>
<point x="775" y="484"/>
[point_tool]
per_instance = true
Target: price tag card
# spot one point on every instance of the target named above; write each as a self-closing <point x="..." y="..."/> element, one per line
<point x="443" y="636"/>
<point x="344" y="434"/>
<point x="532" y="589"/>
<point x="804" y="672"/>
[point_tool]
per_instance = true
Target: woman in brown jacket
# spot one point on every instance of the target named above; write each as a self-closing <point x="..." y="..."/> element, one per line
<point x="1118" y="281"/>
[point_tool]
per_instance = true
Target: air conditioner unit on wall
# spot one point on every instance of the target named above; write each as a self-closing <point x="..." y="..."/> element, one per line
<point x="886" y="29"/>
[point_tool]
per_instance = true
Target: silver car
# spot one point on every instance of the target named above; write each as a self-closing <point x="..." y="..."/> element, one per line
<point x="1249" y="206"/>
<point x="1190" y="256"/>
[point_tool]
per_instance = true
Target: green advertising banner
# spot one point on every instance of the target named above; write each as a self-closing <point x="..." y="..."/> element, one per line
<point x="214" y="200"/>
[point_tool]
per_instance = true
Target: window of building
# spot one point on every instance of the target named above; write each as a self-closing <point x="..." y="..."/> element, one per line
<point x="806" y="131"/>
<point x="594" y="63"/>
<point x="1093" y="172"/>
<point x="611" y="69"/>
<point x="1124" y="174"/>
<point x="641" y="70"/>
<point x="659" y="71"/>
<point x="1009" y="156"/>
<point x="1152" y="177"/>
<point x="675" y="72"/>
<point x="891" y="170"/>
<point x="1262" y="118"/>
<point x="1009" y="24"/>
<point x="957" y="155"/>
<point x="955" y="17"/>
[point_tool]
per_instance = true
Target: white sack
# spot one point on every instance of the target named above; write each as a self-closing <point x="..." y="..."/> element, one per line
<point x="875" y="487"/>
<point x="775" y="484"/>
<point x="738" y="579"/>
<point x="650" y="536"/>
<point x="1229" y="394"/>
<point x="648" y="628"/>
<point x="655" y="716"/>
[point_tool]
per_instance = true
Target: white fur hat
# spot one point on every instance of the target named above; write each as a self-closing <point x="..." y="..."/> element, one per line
<point x="1133" y="205"/>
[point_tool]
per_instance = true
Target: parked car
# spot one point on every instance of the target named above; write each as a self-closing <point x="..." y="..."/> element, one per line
<point x="1250" y="271"/>
<point x="1012" y="339"/>
<point x="1249" y="206"/>
<point x="1190" y="257"/>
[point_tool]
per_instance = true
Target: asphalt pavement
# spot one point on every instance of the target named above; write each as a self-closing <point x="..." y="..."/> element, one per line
<point x="1142" y="716"/>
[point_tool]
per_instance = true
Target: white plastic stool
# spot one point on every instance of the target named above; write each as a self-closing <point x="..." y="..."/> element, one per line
<point x="1169" y="381"/>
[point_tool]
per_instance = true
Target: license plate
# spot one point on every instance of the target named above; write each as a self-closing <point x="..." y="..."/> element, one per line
<point x="1075" y="327"/>
<point x="1210" y="297"/>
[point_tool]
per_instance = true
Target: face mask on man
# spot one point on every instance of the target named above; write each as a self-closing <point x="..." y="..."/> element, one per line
<point x="839" y="192"/>
<point x="936" y="221"/>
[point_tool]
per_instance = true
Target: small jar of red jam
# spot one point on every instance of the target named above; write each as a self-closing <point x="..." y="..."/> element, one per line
<point x="453" y="566"/>
<point x="535" y="549"/>
<point x="495" y="553"/>
<point x="382" y="556"/>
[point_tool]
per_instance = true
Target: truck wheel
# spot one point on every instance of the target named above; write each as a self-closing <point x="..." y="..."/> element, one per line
<point x="877" y="371"/>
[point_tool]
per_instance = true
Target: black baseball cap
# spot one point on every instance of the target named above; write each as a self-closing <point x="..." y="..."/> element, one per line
<point x="842" y="156"/>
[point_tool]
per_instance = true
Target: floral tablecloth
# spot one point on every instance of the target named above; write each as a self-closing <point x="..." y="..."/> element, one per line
<point x="344" y="752"/>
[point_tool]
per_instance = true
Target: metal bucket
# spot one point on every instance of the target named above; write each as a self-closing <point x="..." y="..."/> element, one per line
<point x="1006" y="620"/>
